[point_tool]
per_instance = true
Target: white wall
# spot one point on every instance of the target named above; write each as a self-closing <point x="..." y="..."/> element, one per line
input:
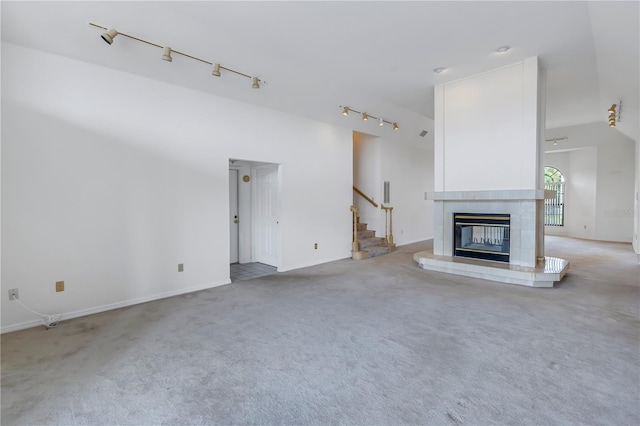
<point x="110" y="180"/>
<point x="408" y="166"/>
<point x="600" y="181"/>
<point x="488" y="130"/>
<point x="367" y="174"/>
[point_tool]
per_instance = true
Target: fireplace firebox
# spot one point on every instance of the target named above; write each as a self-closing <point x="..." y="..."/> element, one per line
<point x="482" y="236"/>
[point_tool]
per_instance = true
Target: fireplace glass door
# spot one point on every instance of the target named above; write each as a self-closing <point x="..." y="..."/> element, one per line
<point x="482" y="236"/>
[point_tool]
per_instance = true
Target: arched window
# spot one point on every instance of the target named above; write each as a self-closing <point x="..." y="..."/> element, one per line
<point x="554" y="207"/>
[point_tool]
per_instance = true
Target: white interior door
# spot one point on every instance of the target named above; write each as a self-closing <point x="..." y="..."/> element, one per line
<point x="233" y="215"/>
<point x="266" y="204"/>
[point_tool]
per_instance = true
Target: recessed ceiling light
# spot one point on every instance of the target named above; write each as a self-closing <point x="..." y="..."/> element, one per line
<point x="439" y="70"/>
<point x="503" y="49"/>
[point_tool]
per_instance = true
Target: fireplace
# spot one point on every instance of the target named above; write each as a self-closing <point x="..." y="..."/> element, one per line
<point x="482" y="236"/>
<point x="501" y="240"/>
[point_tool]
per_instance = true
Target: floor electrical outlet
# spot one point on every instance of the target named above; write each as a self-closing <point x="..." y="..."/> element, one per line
<point x="59" y="286"/>
<point x="13" y="294"/>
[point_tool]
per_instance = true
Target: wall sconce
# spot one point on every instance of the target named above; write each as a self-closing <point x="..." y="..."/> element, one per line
<point x="614" y="113"/>
<point x="111" y="33"/>
<point x="365" y="117"/>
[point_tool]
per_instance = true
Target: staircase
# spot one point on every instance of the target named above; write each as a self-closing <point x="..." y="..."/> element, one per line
<point x="369" y="244"/>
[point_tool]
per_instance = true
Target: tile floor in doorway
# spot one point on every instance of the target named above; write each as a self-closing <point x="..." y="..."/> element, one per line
<point x="247" y="271"/>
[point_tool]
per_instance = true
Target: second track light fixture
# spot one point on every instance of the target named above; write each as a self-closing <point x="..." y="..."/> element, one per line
<point x="366" y="117"/>
<point x="111" y="33"/>
<point x="614" y="113"/>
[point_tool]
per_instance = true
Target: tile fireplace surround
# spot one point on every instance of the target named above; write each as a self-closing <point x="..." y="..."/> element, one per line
<point x="525" y="267"/>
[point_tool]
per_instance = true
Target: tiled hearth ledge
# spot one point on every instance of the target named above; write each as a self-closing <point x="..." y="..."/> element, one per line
<point x="543" y="275"/>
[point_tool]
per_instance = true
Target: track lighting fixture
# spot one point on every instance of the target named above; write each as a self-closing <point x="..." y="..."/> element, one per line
<point x="614" y="113"/>
<point x="167" y="54"/>
<point x="110" y="34"/>
<point x="556" y="140"/>
<point x="366" y="116"/>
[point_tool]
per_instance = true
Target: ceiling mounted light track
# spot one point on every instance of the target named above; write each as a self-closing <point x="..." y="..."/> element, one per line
<point x="366" y="117"/>
<point x="111" y="33"/>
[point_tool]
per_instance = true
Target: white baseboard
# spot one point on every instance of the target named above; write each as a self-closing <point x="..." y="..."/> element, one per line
<point x="117" y="305"/>
<point x="404" y="243"/>
<point x="306" y="265"/>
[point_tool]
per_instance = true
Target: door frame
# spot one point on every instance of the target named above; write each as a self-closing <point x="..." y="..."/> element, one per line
<point x="234" y="228"/>
<point x="246" y="188"/>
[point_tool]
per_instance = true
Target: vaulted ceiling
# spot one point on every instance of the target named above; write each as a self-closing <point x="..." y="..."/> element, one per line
<point x="376" y="56"/>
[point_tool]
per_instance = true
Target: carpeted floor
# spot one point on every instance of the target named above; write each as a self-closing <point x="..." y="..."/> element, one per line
<point x="372" y="342"/>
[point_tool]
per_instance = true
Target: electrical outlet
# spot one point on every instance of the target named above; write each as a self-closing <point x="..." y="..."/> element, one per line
<point x="180" y="267"/>
<point x="13" y="294"/>
<point x="59" y="286"/>
<point x="315" y="246"/>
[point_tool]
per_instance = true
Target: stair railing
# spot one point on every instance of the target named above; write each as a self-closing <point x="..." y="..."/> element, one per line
<point x="388" y="218"/>
<point x="355" y="244"/>
<point x="363" y="195"/>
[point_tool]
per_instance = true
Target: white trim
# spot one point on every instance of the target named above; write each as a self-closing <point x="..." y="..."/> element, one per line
<point x="501" y="194"/>
<point x="414" y="241"/>
<point x="308" y="265"/>
<point x="111" y="306"/>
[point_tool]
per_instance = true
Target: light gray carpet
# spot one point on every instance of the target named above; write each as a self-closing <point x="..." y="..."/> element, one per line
<point x="372" y="342"/>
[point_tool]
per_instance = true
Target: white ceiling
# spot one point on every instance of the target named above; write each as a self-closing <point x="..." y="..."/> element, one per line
<point x="373" y="56"/>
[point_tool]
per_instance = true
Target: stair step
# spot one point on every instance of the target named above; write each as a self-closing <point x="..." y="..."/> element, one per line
<point x="362" y="226"/>
<point x="378" y="250"/>
<point x="368" y="233"/>
<point x="370" y="242"/>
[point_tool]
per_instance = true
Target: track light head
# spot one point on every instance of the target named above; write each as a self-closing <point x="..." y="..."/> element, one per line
<point x="216" y="70"/>
<point x="365" y="117"/>
<point x="167" y="54"/>
<point x="380" y="122"/>
<point x="256" y="83"/>
<point x="109" y="35"/>
<point x="612" y="110"/>
<point x="612" y="124"/>
<point x="395" y="126"/>
<point x="345" y="111"/>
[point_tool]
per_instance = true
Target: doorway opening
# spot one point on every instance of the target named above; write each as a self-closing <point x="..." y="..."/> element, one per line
<point x="254" y="209"/>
